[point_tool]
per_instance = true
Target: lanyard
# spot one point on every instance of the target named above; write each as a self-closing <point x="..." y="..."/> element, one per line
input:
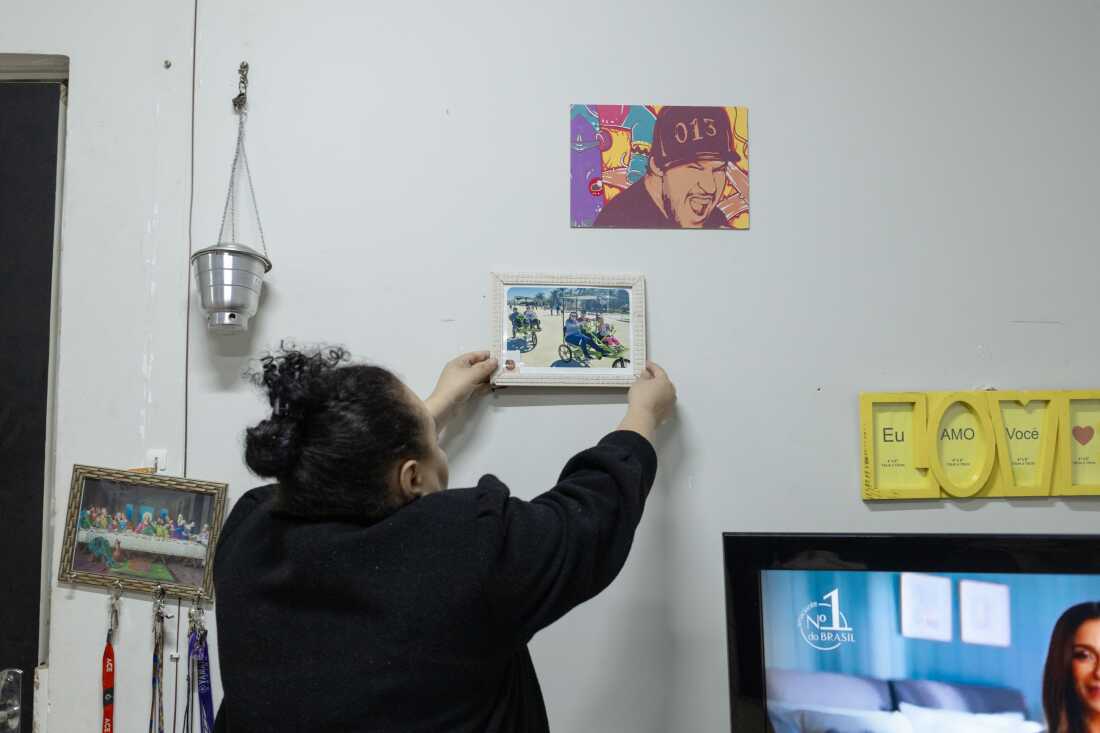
<point x="198" y="682"/>
<point x="109" y="666"/>
<point x="198" y="674"/>
<point x="156" y="709"/>
<point x="108" y="687"/>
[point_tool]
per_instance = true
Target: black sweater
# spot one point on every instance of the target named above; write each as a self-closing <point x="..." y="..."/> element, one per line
<point x="419" y="622"/>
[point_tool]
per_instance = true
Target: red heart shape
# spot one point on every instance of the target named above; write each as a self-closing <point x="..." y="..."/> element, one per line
<point x="1083" y="434"/>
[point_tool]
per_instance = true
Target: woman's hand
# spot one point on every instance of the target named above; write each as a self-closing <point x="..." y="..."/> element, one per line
<point x="650" y="401"/>
<point x="461" y="378"/>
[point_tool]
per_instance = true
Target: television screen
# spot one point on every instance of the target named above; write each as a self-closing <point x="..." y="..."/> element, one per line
<point x="913" y="633"/>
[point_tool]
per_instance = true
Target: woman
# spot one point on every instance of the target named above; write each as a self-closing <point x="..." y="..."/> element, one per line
<point x="575" y="335"/>
<point x="354" y="594"/>
<point x="606" y="333"/>
<point x="1071" y="679"/>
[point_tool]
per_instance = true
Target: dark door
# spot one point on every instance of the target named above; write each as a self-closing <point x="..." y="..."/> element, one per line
<point x="28" y="181"/>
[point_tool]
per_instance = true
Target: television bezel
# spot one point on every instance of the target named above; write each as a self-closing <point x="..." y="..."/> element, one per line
<point x="747" y="554"/>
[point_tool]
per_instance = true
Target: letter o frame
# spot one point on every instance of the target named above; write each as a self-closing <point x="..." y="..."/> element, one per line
<point x="979" y="405"/>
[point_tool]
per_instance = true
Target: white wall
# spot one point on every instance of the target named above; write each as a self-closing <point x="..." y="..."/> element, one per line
<point x="923" y="217"/>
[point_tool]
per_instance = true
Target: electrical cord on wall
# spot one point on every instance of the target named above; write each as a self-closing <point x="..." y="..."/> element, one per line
<point x="187" y="329"/>
<point x="190" y="242"/>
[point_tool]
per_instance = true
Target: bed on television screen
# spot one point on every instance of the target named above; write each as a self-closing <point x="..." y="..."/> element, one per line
<point x="911" y="633"/>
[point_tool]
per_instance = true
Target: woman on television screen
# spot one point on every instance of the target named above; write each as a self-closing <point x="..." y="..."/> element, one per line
<point x="1071" y="679"/>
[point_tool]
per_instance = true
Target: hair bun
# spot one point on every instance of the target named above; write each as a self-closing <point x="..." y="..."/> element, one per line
<point x="296" y="386"/>
<point x="272" y="447"/>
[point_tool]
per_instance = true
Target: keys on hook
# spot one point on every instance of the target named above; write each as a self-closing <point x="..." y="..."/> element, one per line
<point x="112" y="612"/>
<point x="159" y="614"/>
<point x="196" y="617"/>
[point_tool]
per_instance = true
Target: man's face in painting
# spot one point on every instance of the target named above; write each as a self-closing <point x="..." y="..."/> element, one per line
<point x="690" y="192"/>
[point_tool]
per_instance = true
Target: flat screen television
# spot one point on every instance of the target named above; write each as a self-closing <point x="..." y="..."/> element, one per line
<point x="911" y="633"/>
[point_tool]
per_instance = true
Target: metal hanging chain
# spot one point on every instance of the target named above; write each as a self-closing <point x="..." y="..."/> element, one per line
<point x="241" y="100"/>
<point x="252" y="191"/>
<point x="240" y="159"/>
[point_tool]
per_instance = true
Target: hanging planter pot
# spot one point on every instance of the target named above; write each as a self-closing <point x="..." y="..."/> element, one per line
<point x="230" y="274"/>
<point x="230" y="278"/>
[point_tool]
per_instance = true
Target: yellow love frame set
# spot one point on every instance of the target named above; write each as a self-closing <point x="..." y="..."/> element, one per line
<point x="957" y="445"/>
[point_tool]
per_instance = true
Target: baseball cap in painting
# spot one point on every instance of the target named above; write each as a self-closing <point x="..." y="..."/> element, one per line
<point x="685" y="134"/>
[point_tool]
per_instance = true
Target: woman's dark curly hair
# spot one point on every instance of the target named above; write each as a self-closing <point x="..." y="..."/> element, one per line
<point x="335" y="432"/>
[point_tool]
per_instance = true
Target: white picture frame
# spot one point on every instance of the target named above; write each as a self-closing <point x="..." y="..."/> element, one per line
<point x="985" y="613"/>
<point x="926" y="609"/>
<point x="558" y="363"/>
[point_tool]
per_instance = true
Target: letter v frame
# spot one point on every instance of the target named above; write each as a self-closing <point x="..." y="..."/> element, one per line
<point x="979" y="405"/>
<point x="872" y="490"/>
<point x="1047" y="441"/>
<point x="1066" y="487"/>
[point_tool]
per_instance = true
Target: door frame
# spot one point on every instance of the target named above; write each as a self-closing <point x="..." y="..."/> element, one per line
<point x="48" y="69"/>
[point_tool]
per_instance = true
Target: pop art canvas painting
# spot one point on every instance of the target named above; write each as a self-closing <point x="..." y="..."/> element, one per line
<point x="659" y="167"/>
